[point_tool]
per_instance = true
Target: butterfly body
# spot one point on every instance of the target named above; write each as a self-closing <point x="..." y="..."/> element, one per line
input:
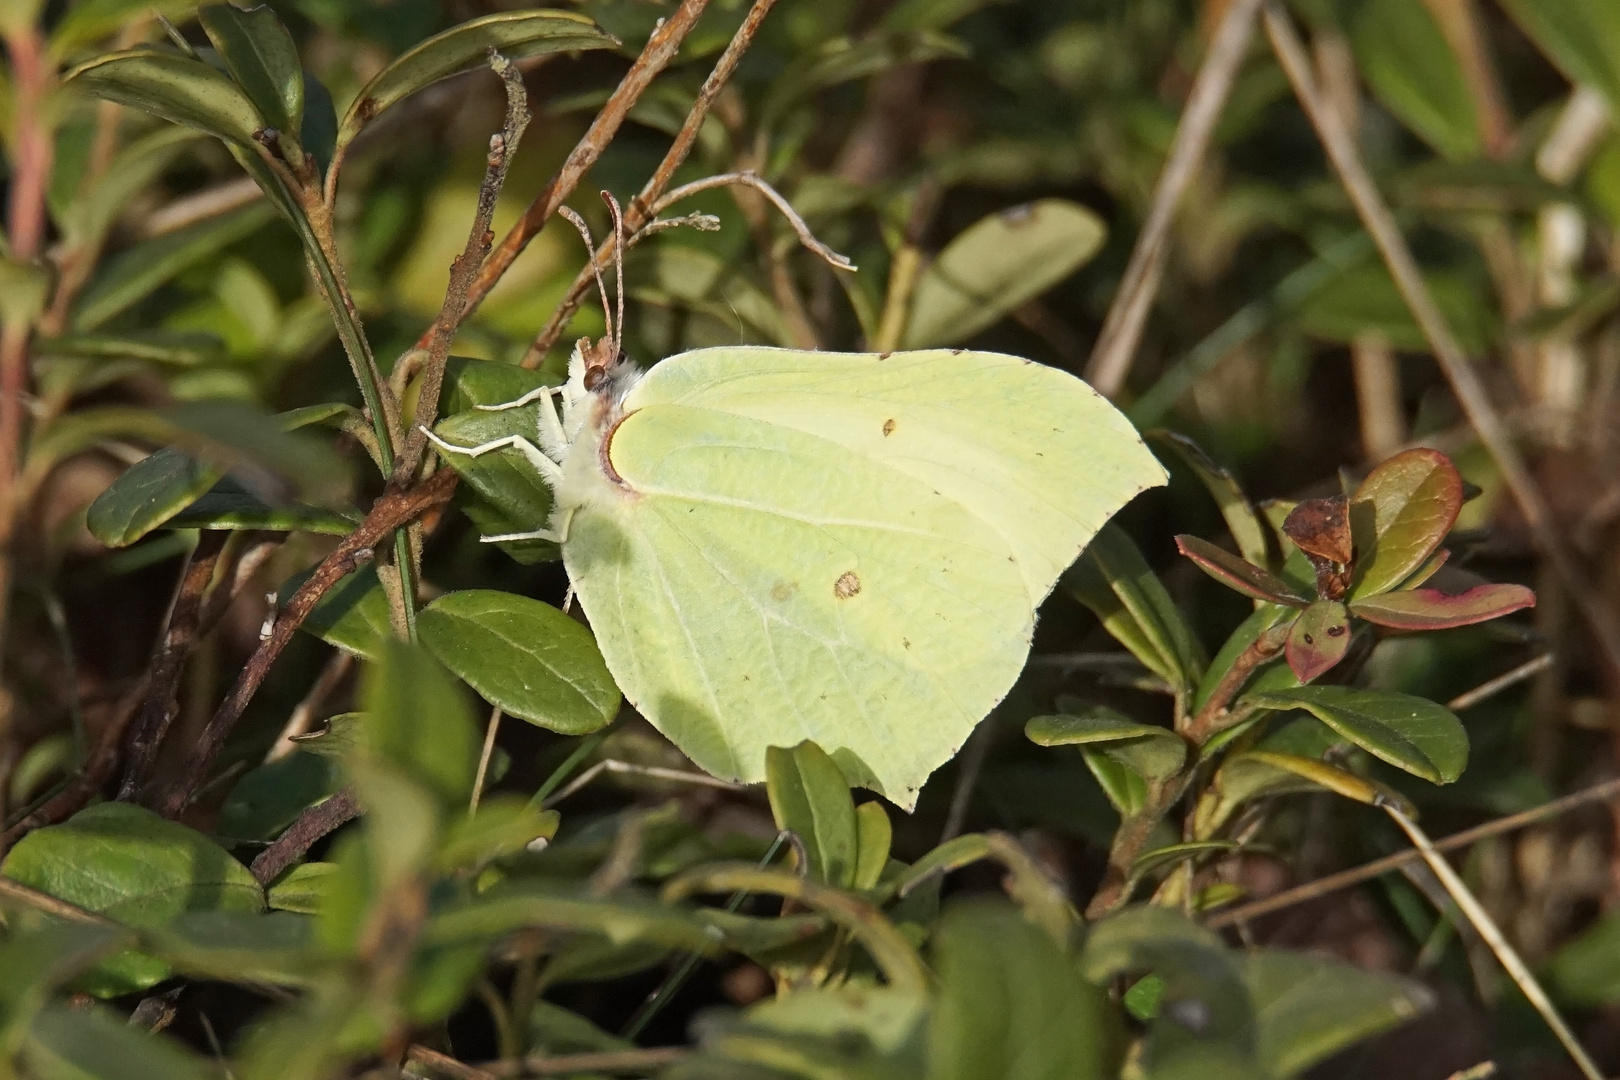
<point x="774" y="545"/>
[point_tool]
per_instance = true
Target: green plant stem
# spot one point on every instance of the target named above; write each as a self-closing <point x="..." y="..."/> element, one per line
<point x="1215" y="717"/>
<point x="1131" y="840"/>
<point x="587" y="746"/>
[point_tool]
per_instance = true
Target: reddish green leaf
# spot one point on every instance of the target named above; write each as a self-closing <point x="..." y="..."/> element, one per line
<point x="1428" y="569"/>
<point x="1431" y="609"/>
<point x="1319" y="639"/>
<point x="1233" y="572"/>
<point x="1400" y="514"/>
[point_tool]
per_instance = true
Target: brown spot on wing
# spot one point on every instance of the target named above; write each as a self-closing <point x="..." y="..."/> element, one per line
<point x="847" y="585"/>
<point x="888" y="426"/>
<point x="783" y="591"/>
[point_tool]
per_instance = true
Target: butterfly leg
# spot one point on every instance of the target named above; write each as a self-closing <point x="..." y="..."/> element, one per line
<point x="553" y="437"/>
<point x="549" y="470"/>
<point x="536" y="394"/>
<point x="556" y="536"/>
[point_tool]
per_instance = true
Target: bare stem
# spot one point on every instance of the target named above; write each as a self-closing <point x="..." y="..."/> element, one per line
<point x="637" y="216"/>
<point x="502" y="148"/>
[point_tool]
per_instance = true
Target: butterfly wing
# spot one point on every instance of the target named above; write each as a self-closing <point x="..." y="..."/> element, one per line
<point x="764" y="585"/>
<point x="1031" y="451"/>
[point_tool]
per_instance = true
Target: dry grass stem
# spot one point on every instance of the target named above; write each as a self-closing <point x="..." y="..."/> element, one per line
<point x="1122" y="330"/>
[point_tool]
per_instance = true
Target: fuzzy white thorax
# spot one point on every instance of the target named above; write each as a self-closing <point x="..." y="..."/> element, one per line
<point x="592" y="403"/>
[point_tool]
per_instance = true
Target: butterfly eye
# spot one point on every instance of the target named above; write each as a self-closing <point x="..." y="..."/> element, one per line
<point x="594" y="376"/>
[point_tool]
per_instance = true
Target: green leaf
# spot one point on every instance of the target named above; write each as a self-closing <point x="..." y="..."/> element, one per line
<point x="1365" y="300"/>
<point x="505" y="493"/>
<point x="1154" y="752"/>
<point x="1399" y="515"/>
<point x="353" y="615"/>
<point x="843" y="60"/>
<point x="227" y="505"/>
<point x="134" y="867"/>
<point x="810" y="797"/>
<point x="503" y="825"/>
<point x="1010" y="1006"/>
<point x="1411" y="733"/>
<point x="527" y="657"/>
<point x="523" y="905"/>
<point x="874" y="835"/>
<point x="262" y="58"/>
<point x="1204" y="1009"/>
<point x="138" y="271"/>
<point x="1308" y="1007"/>
<point x="1264" y="618"/>
<point x="1245" y="523"/>
<point x="996" y="266"/>
<point x="1411" y="68"/>
<point x="1321" y="774"/>
<point x="149" y="493"/>
<point x="66" y="1043"/>
<point x="39" y="960"/>
<point x="863" y="1021"/>
<point x="417" y="718"/>
<point x="1585" y="970"/>
<point x="175" y="87"/>
<point x="1235" y="573"/>
<point x="1114" y="581"/>
<point x="1431" y="609"/>
<point x="515" y="34"/>
<point x="301" y="889"/>
<point x="1125" y="787"/>
<point x="177" y="349"/>
<point x="88" y="216"/>
<point x="1157" y="859"/>
<point x="1318" y="640"/>
<point x="276" y="948"/>
<point x="268" y="798"/>
<point x="89" y="21"/>
<point x="1582" y="37"/>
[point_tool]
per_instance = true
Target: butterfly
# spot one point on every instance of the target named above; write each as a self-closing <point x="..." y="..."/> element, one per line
<point x="774" y="545"/>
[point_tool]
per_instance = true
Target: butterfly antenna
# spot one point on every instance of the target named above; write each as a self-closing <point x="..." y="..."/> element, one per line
<point x="601" y="286"/>
<point x="618" y="267"/>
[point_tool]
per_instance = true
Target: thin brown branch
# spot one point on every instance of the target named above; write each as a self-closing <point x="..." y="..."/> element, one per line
<point x="392" y="511"/>
<point x="659" y="51"/>
<point x="1608" y="789"/>
<point x="1122" y="330"/>
<point x="314" y="823"/>
<point x="637" y="216"/>
<point x="17" y="892"/>
<point x="1208" y="720"/>
<point x="168" y="662"/>
<point x="628" y="1062"/>
<point x="1460" y="374"/>
<point x="502" y="149"/>
<point x="445" y="1064"/>
<point x="210" y="202"/>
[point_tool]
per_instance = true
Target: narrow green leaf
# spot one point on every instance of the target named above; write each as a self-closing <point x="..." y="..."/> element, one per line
<point x="874" y="834"/>
<point x="174" y="87"/>
<point x="1157" y="859"/>
<point x="527" y="657"/>
<point x="89" y="21"/>
<point x="1308" y="1007"/>
<point x="1321" y="774"/>
<point x="176" y="349"/>
<point x="1365" y="300"/>
<point x="134" y="867"/>
<point x="1248" y="529"/>
<point x="505" y="909"/>
<point x="1411" y="68"/>
<point x="515" y="34"/>
<point x="276" y="948"/>
<point x="301" y="889"/>
<point x="88" y="216"/>
<point x="1154" y="752"/>
<point x="810" y="797"/>
<point x="139" y="271"/>
<point x="268" y="798"/>
<point x="1114" y="581"/>
<point x="149" y="493"/>
<point x="1264" y="618"/>
<point x="1399" y="515"/>
<point x="996" y="266"/>
<point x="417" y="718"/>
<point x="503" y="825"/>
<point x="1010" y="1004"/>
<point x="227" y="505"/>
<point x="1582" y="37"/>
<point x="1431" y="609"/>
<point x="353" y="614"/>
<point x="1125" y="787"/>
<point x="1233" y="572"/>
<point x="1411" y="733"/>
<point x="262" y="58"/>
